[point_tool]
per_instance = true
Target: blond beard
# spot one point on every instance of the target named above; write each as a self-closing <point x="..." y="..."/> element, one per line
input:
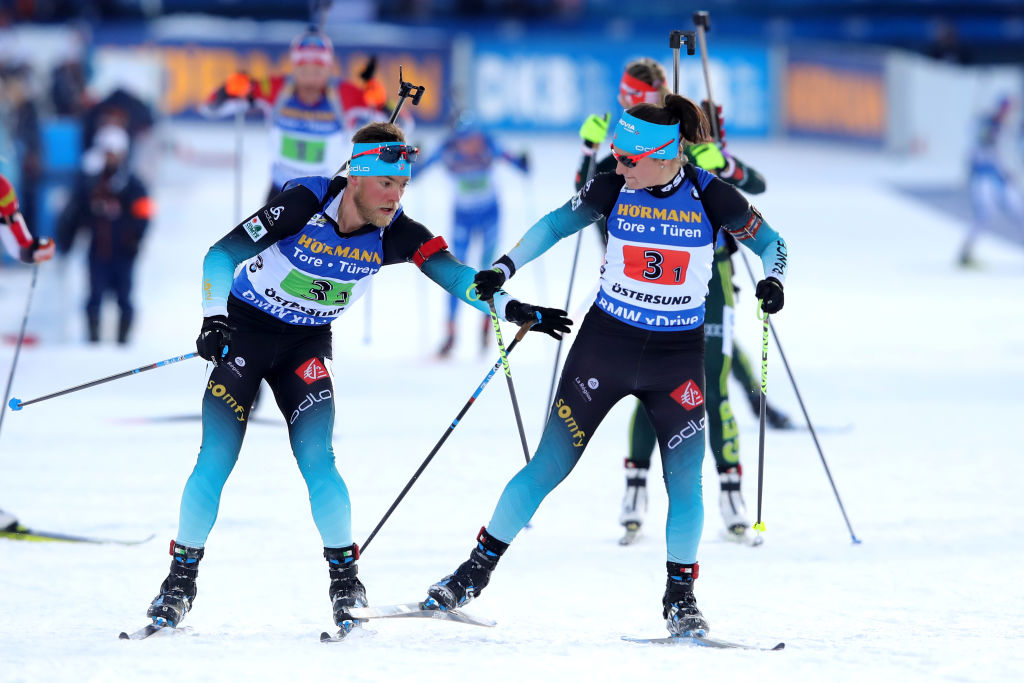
<point x="369" y="215"/>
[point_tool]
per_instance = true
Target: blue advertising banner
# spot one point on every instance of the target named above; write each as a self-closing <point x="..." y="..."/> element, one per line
<point x="552" y="85"/>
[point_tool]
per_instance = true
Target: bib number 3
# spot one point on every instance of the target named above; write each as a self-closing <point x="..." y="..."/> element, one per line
<point x="658" y="266"/>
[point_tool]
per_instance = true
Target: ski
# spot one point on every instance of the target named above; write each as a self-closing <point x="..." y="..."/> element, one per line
<point x="143" y="633"/>
<point x="355" y="631"/>
<point x="632" y="534"/>
<point x="744" y="535"/>
<point x="154" y="419"/>
<point x="702" y="641"/>
<point x="415" y="610"/>
<point x="22" y="533"/>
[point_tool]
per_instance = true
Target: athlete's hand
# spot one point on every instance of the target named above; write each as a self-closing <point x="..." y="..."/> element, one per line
<point x="708" y="156"/>
<point x="551" y="321"/>
<point x="41" y="249"/>
<point x="214" y="338"/>
<point x="595" y="129"/>
<point x="487" y="282"/>
<point x="769" y="291"/>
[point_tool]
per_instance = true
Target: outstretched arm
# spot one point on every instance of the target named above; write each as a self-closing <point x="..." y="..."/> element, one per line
<point x="457" y="279"/>
<point x="248" y="239"/>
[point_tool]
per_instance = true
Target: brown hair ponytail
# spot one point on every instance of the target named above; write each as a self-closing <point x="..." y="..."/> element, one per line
<point x="693" y="124"/>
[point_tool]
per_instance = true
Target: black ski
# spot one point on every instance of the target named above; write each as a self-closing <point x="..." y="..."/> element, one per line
<point x="702" y="641"/>
<point x="22" y="533"/>
<point x="144" y="632"/>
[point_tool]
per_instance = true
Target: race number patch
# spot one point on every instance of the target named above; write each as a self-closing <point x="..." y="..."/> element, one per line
<point x="254" y="228"/>
<point x="658" y="266"/>
<point x="688" y="395"/>
<point x="311" y="371"/>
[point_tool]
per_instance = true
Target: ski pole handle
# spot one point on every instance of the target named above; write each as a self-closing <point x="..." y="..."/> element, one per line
<point x="406" y="91"/>
<point x="18" y="404"/>
<point x="676" y="39"/>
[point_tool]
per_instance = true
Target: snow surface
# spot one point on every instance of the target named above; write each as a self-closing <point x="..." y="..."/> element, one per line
<point x="883" y="333"/>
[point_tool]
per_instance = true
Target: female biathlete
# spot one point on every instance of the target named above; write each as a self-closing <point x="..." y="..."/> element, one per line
<point x="644" y="335"/>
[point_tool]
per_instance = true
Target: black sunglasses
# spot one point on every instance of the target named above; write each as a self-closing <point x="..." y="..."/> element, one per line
<point x="393" y="153"/>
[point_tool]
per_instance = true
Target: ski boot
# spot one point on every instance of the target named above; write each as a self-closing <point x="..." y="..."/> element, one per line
<point x="679" y="606"/>
<point x="634" y="502"/>
<point x="775" y="418"/>
<point x="449" y="342"/>
<point x="178" y="591"/>
<point x="8" y="522"/>
<point x="346" y="590"/>
<point x="733" y="509"/>
<point x="472" y="576"/>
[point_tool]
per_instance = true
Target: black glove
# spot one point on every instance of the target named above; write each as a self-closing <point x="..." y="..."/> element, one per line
<point x="488" y="282"/>
<point x="769" y="291"/>
<point x="551" y="321"/>
<point x="214" y="338"/>
<point x="369" y="70"/>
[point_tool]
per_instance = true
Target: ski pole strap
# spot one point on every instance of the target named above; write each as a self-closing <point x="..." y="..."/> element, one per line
<point x="18" y="404"/>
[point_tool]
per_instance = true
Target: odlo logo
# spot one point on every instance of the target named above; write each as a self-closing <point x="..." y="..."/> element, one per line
<point x="686" y="432"/>
<point x="688" y="395"/>
<point x="565" y="413"/>
<point x="308" y="403"/>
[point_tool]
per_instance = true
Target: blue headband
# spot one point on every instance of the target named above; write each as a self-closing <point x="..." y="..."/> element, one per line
<point x="636" y="136"/>
<point x="371" y="165"/>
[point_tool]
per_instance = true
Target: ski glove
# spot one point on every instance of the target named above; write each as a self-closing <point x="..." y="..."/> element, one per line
<point x="487" y="282"/>
<point x="551" y="321"/>
<point x="214" y="338"/>
<point x="595" y="129"/>
<point x="41" y="249"/>
<point x="708" y="156"/>
<point x="769" y="291"/>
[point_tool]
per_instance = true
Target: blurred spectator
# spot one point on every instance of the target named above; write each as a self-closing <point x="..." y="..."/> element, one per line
<point x="67" y="88"/>
<point x="120" y="108"/>
<point x="946" y="46"/>
<point x="112" y="203"/>
<point x="19" y="116"/>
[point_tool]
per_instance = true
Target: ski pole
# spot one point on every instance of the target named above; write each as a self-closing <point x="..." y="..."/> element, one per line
<point x="762" y="412"/>
<point x="803" y="409"/>
<point x="675" y="41"/>
<point x="702" y="21"/>
<point x="508" y="377"/>
<point x="568" y="295"/>
<point x="239" y="133"/>
<point x="18" y="404"/>
<point x="568" y="299"/>
<point x="444" y="437"/>
<point x="21" y="338"/>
